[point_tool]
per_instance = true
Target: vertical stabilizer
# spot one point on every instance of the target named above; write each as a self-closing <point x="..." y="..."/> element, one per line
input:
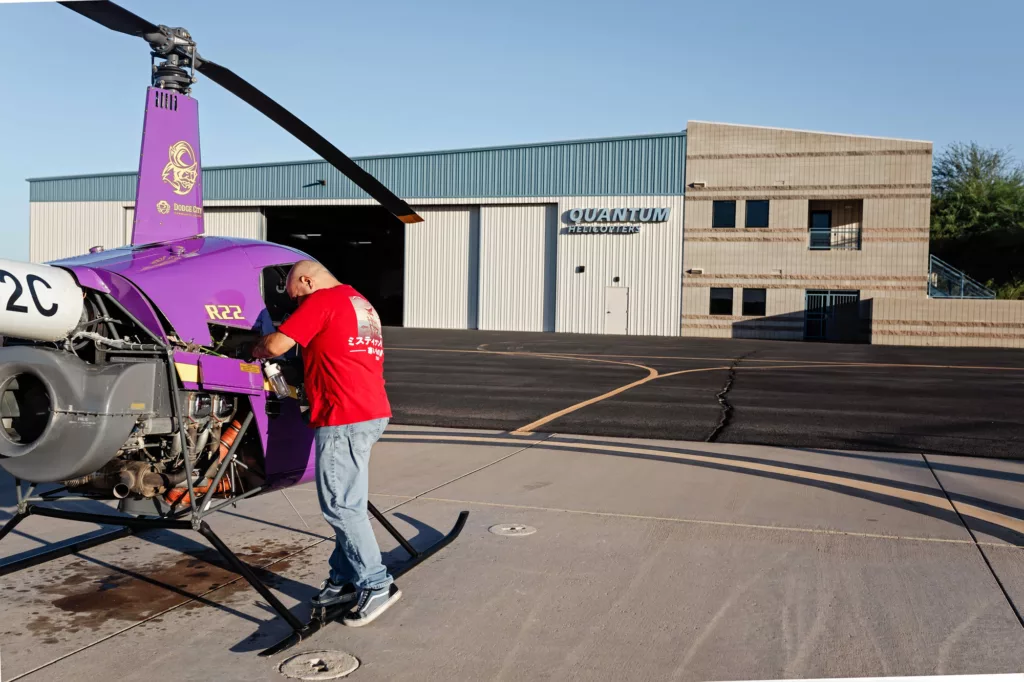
<point x="169" y="194"/>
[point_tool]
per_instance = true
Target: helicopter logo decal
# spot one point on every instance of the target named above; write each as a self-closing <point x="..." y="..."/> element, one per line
<point x="163" y="207"/>
<point x="181" y="170"/>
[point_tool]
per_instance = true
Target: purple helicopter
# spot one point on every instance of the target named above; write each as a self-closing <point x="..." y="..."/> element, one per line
<point x="126" y="374"/>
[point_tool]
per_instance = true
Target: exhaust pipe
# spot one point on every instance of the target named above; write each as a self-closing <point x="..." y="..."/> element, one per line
<point x="125" y="485"/>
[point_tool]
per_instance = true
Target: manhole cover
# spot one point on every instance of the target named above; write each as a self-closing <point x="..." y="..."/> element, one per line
<point x="515" y="529"/>
<point x="319" y="665"/>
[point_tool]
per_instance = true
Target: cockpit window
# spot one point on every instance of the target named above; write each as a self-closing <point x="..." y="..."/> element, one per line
<point x="279" y="306"/>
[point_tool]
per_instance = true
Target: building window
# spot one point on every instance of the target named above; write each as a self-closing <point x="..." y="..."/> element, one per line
<point x="754" y="302"/>
<point x="721" y="301"/>
<point x="821" y="229"/>
<point x="835" y="225"/>
<point x="757" y="213"/>
<point x="723" y="214"/>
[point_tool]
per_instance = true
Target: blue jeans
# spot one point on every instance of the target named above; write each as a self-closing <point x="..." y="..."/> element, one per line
<point x="343" y="486"/>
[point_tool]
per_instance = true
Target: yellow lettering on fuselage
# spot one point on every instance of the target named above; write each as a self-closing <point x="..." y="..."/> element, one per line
<point x="224" y="312"/>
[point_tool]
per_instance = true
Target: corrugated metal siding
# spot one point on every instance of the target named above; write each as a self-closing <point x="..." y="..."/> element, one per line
<point x="129" y="220"/>
<point x="437" y="268"/>
<point x="646" y="165"/>
<point x="648" y="263"/>
<point x="104" y="187"/>
<point x="64" y="229"/>
<point x="247" y="222"/>
<point x="514" y="252"/>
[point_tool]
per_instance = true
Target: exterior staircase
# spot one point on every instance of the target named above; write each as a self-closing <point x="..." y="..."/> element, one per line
<point x="945" y="281"/>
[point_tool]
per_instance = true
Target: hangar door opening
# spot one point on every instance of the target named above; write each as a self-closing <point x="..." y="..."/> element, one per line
<point x="518" y="268"/>
<point x="363" y="246"/>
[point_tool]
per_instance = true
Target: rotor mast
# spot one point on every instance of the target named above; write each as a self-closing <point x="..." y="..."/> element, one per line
<point x="176" y="52"/>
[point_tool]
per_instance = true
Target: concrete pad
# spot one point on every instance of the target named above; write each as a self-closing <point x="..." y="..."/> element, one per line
<point x="994" y="484"/>
<point x="34" y="532"/>
<point x="598" y="598"/>
<point x="551" y="474"/>
<point x="59" y="607"/>
<point x="780" y="578"/>
<point x="1008" y="564"/>
<point x="73" y="603"/>
<point x="399" y="467"/>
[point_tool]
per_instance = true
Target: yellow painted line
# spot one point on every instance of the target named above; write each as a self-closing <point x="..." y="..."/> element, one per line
<point x="653" y="374"/>
<point x="818" y="363"/>
<point x="552" y="356"/>
<point x="932" y="500"/>
<point x="576" y="357"/>
<point x="525" y="430"/>
<point x="681" y="357"/>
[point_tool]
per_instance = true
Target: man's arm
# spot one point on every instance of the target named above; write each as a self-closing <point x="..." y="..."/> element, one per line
<point x="273" y="345"/>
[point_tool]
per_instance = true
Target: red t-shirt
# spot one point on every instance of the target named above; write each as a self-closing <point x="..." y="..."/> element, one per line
<point x="343" y="354"/>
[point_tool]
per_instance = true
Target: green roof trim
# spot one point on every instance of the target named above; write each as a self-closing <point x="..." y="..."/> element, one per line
<point x="617" y="166"/>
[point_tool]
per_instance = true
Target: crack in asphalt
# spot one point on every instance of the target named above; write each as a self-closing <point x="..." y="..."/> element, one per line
<point x="727" y="408"/>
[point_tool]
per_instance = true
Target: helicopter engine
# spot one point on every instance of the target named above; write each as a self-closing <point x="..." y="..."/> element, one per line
<point x="86" y="399"/>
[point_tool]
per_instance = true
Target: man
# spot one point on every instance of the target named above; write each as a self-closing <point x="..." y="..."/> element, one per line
<point x="343" y="355"/>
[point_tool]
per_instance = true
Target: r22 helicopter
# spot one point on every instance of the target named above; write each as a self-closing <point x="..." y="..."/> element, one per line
<point x="126" y="374"/>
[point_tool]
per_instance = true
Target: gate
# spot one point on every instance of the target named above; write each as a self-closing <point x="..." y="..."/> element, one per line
<point x="832" y="316"/>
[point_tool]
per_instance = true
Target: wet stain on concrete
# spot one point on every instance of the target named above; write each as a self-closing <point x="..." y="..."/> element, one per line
<point x="87" y="595"/>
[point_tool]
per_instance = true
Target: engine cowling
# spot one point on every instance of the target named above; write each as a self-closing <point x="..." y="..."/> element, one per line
<point x="61" y="417"/>
<point x="38" y="302"/>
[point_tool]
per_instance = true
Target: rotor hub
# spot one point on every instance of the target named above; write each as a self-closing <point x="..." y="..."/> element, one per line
<point x="176" y="51"/>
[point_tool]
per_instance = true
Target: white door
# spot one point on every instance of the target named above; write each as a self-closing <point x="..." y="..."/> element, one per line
<point x="616" y="307"/>
<point x="515" y="251"/>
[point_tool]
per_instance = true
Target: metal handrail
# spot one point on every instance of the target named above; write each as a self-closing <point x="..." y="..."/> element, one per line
<point x="846" y="237"/>
<point x="946" y="281"/>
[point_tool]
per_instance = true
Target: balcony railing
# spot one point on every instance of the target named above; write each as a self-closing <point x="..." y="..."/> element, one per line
<point x="945" y="281"/>
<point x="846" y="237"/>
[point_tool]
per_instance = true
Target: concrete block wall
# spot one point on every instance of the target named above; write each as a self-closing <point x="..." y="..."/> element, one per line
<point x="947" y="322"/>
<point x="884" y="185"/>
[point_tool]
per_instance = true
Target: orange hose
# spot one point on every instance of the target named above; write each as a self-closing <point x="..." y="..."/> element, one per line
<point x="227" y="438"/>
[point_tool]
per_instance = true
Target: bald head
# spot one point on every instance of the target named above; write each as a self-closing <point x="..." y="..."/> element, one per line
<point x="306" y="277"/>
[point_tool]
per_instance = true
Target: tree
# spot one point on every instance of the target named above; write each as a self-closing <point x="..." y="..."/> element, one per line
<point x="978" y="215"/>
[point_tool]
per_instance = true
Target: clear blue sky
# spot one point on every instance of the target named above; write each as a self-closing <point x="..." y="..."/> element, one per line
<point x="396" y="76"/>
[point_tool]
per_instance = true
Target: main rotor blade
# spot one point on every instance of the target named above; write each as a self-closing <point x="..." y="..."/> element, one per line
<point x="112" y="16"/>
<point x="284" y="118"/>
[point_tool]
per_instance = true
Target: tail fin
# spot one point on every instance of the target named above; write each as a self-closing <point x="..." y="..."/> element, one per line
<point x="169" y="194"/>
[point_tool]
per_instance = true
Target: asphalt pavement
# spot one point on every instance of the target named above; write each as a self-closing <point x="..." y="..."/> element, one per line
<point x="949" y="401"/>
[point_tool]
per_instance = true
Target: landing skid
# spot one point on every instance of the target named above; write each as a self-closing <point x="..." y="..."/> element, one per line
<point x="323" y="615"/>
<point x="129" y="525"/>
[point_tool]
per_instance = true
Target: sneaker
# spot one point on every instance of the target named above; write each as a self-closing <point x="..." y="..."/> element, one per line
<point x="371" y="604"/>
<point x="332" y="595"/>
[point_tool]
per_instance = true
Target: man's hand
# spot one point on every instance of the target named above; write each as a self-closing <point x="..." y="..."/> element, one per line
<point x="272" y="345"/>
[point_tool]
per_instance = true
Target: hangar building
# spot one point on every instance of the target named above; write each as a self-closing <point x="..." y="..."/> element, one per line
<point x="716" y="231"/>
